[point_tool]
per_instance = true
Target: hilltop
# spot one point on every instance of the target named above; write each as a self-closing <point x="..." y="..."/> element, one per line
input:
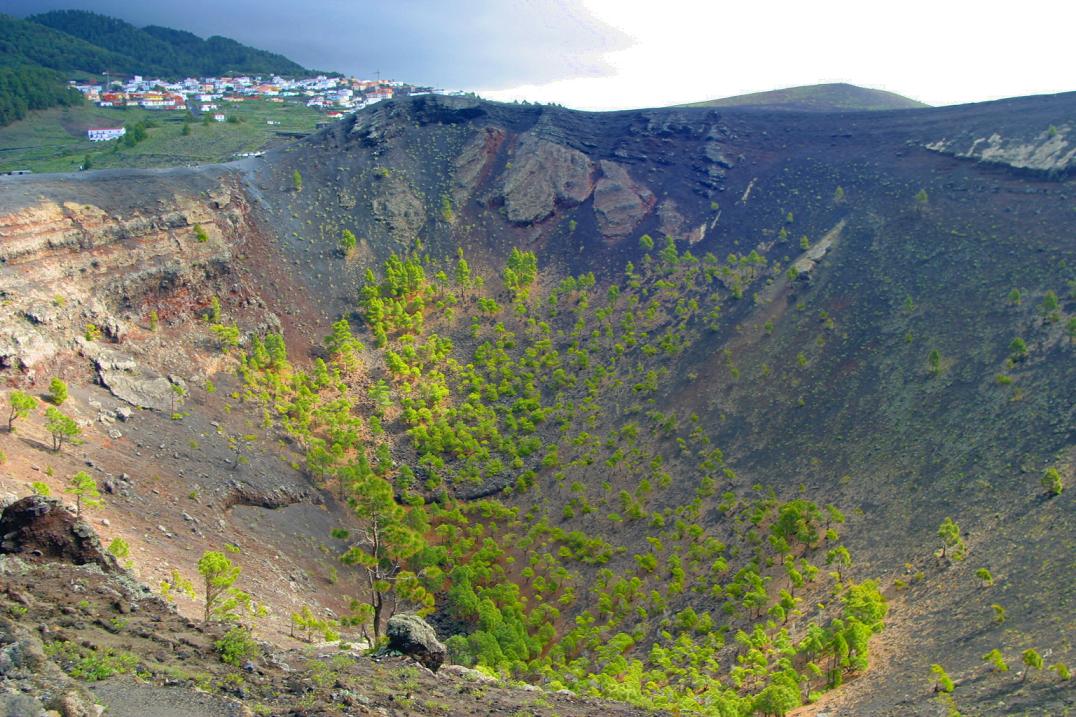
<point x="82" y="41"/>
<point x="834" y="97"/>
<point x="716" y="410"/>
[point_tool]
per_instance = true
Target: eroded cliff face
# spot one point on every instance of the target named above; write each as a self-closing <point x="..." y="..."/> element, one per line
<point x="66" y="265"/>
<point x="1050" y="151"/>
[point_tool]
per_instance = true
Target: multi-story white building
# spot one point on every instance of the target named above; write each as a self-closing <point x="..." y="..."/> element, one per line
<point x="104" y="134"/>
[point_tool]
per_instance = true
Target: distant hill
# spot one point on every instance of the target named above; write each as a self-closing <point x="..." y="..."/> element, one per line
<point x="835" y="97"/>
<point x="164" y="51"/>
<point x="27" y="43"/>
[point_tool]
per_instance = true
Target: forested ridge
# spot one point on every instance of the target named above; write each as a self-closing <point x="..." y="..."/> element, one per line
<point x="163" y="51"/>
<point x="24" y="88"/>
<point x="40" y="53"/>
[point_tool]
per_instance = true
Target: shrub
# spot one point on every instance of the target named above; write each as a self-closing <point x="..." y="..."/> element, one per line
<point x="348" y="241"/>
<point x="996" y="660"/>
<point x="237" y="646"/>
<point x="943" y="683"/>
<point x="1051" y="481"/>
<point x="57" y="391"/>
<point x="119" y="548"/>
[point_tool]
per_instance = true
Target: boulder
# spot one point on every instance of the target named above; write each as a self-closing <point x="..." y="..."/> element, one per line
<point x="413" y="636"/>
<point x="40" y="529"/>
<point x="143" y="389"/>
<point x="466" y="673"/>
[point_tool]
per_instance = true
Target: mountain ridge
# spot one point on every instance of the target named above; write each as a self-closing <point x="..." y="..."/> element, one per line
<point x="160" y="50"/>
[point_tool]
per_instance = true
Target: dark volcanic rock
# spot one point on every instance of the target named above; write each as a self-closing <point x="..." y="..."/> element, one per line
<point x="619" y="202"/>
<point x="37" y="528"/>
<point x="473" y="163"/>
<point x="542" y="176"/>
<point x="414" y="637"/>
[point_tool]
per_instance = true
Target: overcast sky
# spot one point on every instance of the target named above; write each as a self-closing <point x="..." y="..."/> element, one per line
<point x="609" y="54"/>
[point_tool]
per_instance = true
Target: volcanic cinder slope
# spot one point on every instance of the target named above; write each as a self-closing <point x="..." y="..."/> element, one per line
<point x="863" y="356"/>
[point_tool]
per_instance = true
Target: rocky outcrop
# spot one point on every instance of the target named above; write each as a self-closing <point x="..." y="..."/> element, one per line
<point x="1049" y="152"/>
<point x="810" y="258"/>
<point x="69" y="264"/>
<point x="41" y="529"/>
<point x="23" y="347"/>
<point x="541" y="176"/>
<point x="473" y="163"/>
<point x="620" y="203"/>
<point x="413" y="636"/>
<point x="126" y="380"/>
<point x="144" y="389"/>
<point x="25" y="666"/>
<point x="398" y="206"/>
<point x="714" y="153"/>
<point x="383" y="123"/>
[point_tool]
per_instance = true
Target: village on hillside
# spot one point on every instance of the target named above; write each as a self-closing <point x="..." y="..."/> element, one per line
<point x="333" y="95"/>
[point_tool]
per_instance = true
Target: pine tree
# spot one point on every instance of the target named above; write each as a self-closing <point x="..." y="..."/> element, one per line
<point x="383" y="543"/>
<point x="84" y="488"/>
<point x="63" y="428"/>
<point x="949" y="532"/>
<point x="220" y="574"/>
<point x="1032" y="661"/>
<point x="21" y="405"/>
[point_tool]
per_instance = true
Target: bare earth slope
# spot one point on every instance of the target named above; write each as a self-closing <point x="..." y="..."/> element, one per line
<point x="906" y="231"/>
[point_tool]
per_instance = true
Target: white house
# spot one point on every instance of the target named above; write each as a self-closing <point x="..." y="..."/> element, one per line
<point x="219" y="117"/>
<point x="104" y="134"/>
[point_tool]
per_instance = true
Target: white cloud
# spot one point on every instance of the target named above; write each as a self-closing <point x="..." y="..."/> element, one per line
<point x="939" y="52"/>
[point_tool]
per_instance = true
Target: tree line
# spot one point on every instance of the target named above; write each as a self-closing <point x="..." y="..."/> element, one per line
<point x="25" y="88"/>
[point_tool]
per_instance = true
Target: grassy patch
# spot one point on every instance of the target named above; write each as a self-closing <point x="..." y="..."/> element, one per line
<point x="54" y="140"/>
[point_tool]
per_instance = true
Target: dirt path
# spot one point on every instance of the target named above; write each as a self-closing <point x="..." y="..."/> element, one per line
<point x="128" y="698"/>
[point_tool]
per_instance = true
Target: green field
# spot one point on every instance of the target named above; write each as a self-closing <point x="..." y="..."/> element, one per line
<point x="54" y="140"/>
